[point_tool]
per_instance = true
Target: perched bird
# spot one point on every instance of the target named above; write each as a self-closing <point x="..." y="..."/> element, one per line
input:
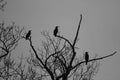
<point x="55" y="31"/>
<point x="86" y="57"/>
<point x="28" y="34"/>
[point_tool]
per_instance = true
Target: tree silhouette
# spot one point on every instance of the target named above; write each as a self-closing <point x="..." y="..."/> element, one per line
<point x="58" y="58"/>
<point x="9" y="37"/>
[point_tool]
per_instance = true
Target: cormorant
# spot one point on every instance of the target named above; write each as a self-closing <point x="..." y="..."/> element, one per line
<point x="55" y="31"/>
<point x="28" y="34"/>
<point x="86" y="57"/>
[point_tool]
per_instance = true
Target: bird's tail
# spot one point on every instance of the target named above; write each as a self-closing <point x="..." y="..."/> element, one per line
<point x="86" y="62"/>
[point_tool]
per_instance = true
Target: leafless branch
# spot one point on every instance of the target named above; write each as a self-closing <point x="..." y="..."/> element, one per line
<point x="94" y="59"/>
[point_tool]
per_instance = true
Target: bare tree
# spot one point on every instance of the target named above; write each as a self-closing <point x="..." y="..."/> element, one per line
<point x="58" y="58"/>
<point x="9" y="37"/>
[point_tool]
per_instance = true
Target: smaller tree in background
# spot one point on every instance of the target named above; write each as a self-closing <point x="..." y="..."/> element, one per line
<point x="9" y="37"/>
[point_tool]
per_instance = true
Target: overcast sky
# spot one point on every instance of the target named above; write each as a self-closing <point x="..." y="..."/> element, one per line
<point x="100" y="28"/>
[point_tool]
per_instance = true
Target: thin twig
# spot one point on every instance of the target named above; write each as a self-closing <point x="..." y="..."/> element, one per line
<point x="95" y="59"/>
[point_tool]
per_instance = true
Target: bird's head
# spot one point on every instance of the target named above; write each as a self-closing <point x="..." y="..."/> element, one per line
<point x="57" y="26"/>
<point x="86" y="52"/>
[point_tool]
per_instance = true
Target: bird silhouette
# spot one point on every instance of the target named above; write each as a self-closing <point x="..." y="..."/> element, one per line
<point x="28" y="35"/>
<point x="55" y="31"/>
<point x="86" y="57"/>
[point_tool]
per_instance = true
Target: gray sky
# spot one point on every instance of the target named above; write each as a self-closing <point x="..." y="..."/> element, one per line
<point x="99" y="29"/>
